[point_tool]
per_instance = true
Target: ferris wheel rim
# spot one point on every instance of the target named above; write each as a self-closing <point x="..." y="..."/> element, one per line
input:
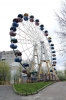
<point x="34" y="41"/>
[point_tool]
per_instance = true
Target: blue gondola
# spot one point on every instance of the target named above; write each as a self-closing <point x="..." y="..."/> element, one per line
<point x="33" y="79"/>
<point x="53" y="51"/>
<point x="13" y="28"/>
<point x="49" y="41"/>
<point x="31" y="16"/>
<point x="41" y="25"/>
<point x="54" y="68"/>
<point x="36" y="20"/>
<point x="45" y="31"/>
<point x="25" y="65"/>
<point x="20" y="15"/>
<point x="51" y="70"/>
<point x="26" y="18"/>
<point x="53" y="58"/>
<point x="17" y="60"/>
<point x="52" y="47"/>
<point x="13" y="46"/>
<point x="14" y="24"/>
<point x="41" y="28"/>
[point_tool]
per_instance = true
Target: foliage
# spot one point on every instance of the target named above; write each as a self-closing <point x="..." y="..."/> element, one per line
<point x="4" y="71"/>
<point x="65" y="73"/>
<point x="65" y="70"/>
<point x="30" y="87"/>
<point x="61" y="75"/>
<point x="17" y="73"/>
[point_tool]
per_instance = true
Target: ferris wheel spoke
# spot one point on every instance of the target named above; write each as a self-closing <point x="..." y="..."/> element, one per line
<point x="34" y="30"/>
<point x="28" y="35"/>
<point x="30" y="31"/>
<point x="27" y="39"/>
<point x="26" y="49"/>
<point x="36" y="36"/>
<point x="23" y="37"/>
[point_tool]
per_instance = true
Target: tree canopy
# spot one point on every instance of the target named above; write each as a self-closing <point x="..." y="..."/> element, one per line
<point x="4" y="71"/>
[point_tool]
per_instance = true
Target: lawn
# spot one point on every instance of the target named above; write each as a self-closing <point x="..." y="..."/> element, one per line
<point x="30" y="87"/>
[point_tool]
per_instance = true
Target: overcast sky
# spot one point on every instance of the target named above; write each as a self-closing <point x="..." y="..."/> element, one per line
<point x="41" y="9"/>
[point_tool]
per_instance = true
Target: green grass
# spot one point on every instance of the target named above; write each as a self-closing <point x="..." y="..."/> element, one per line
<point x="30" y="87"/>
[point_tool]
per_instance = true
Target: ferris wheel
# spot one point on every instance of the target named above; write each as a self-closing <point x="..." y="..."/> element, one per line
<point x="31" y="42"/>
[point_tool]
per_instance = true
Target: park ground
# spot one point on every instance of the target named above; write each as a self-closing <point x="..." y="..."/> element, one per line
<point x="56" y="91"/>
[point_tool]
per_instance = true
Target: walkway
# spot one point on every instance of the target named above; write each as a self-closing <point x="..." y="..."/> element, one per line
<point x="56" y="91"/>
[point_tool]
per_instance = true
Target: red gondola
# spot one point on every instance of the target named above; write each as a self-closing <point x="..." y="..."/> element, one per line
<point x="12" y="34"/>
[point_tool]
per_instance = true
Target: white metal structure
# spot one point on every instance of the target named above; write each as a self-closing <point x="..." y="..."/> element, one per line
<point x="31" y="41"/>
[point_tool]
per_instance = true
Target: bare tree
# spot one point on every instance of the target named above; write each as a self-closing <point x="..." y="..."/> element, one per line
<point x="61" y="19"/>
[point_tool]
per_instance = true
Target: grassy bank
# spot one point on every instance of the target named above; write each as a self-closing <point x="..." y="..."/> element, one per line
<point x="30" y="87"/>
